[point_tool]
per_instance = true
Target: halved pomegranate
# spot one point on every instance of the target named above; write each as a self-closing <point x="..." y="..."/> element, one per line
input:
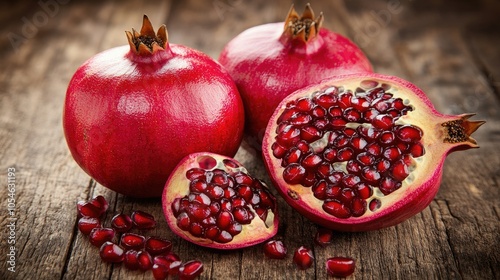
<point x="211" y="201"/>
<point x="361" y="152"/>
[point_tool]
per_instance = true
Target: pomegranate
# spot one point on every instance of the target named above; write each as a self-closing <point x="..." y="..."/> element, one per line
<point x="270" y="61"/>
<point x="133" y="112"/>
<point x="340" y="266"/>
<point x="211" y="201"/>
<point x="362" y="151"/>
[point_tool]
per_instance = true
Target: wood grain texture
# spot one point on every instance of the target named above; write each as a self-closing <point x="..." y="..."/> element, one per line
<point x="450" y="51"/>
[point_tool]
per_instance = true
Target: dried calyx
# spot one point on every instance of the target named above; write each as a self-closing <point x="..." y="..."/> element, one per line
<point x="304" y="27"/>
<point x="147" y="42"/>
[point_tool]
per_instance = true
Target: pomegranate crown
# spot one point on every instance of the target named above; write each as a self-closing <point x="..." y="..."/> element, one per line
<point x="304" y="27"/>
<point x="147" y="42"/>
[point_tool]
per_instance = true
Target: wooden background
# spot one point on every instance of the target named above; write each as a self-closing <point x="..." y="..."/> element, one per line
<point x="448" y="48"/>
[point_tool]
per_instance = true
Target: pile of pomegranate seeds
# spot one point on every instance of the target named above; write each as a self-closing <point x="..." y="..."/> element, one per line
<point x="347" y="146"/>
<point x="134" y="250"/>
<point x="219" y="203"/>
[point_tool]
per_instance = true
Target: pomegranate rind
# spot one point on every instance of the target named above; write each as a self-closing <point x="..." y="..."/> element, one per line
<point x="417" y="190"/>
<point x="177" y="186"/>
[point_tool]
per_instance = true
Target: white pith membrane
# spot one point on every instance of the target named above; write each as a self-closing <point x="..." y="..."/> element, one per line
<point x="417" y="189"/>
<point x="177" y="187"/>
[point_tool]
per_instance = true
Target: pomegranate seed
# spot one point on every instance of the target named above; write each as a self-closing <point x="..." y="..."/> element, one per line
<point x="101" y="203"/>
<point x="304" y="104"/>
<point x="318" y="112"/>
<point x="300" y="119"/>
<point x="190" y="270"/>
<point x="386" y="138"/>
<point x="409" y="133"/>
<point x="417" y="150"/>
<point x="323" y="237"/>
<point x="143" y="220"/>
<point x="303" y="258"/>
<point x="353" y="167"/>
<point x="363" y="190"/>
<point x="398" y="104"/>
<point x="87" y="224"/>
<point x="350" y="180"/>
<point x="358" y="207"/>
<point x="293" y="156"/>
<point x="242" y="215"/>
<point x="338" y="122"/>
<point x="130" y="260"/>
<point x="183" y="221"/>
<point x="340" y="266"/>
<point x="358" y="143"/>
<point x="99" y="236"/>
<point x="87" y="209"/>
<point x="345" y="154"/>
<point x="319" y="189"/>
<point x="345" y="100"/>
<point x="196" y="229"/>
<point x="374" y="149"/>
<point x="311" y="161"/>
<point x="225" y="219"/>
<point x="335" y="112"/>
<point x="370" y="174"/>
<point x="156" y="246"/>
<point x="195" y="173"/>
<point x="383" y="121"/>
<point x="201" y="198"/>
<point x="380" y="105"/>
<point x="337" y="209"/>
<point x="351" y="115"/>
<point x="346" y="195"/>
<point x="332" y="191"/>
<point x="160" y="272"/>
<point x="360" y="103"/>
<point x="278" y="150"/>
<point x="197" y="211"/>
<point x="289" y="136"/>
<point x="400" y="170"/>
<point x="326" y="100"/>
<point x="162" y="266"/>
<point x="112" y="253"/>
<point x="132" y="241"/>
<point x="144" y="260"/>
<point x="370" y="114"/>
<point x="330" y="154"/>
<point x="197" y="185"/>
<point x="383" y="165"/>
<point x="365" y="158"/>
<point x="392" y="153"/>
<point x="230" y="163"/>
<point x="167" y="259"/>
<point x="212" y="232"/>
<point x="275" y="249"/>
<point x="375" y="204"/>
<point x="388" y="185"/>
<point x="310" y="133"/>
<point x="294" y="173"/>
<point x="224" y="237"/>
<point x="121" y="223"/>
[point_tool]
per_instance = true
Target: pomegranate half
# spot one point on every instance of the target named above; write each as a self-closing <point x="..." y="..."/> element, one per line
<point x="270" y="61"/>
<point x="133" y="112"/>
<point x="212" y="201"/>
<point x="361" y="152"/>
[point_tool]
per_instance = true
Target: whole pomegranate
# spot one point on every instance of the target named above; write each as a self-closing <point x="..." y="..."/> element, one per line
<point x="212" y="201"/>
<point x="362" y="151"/>
<point x="270" y="61"/>
<point x="133" y="112"/>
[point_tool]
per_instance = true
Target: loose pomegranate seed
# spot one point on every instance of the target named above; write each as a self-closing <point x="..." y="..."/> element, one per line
<point x="275" y="249"/>
<point x="143" y="220"/>
<point x="101" y="203"/>
<point x="132" y="241"/>
<point x="173" y="268"/>
<point x="121" y="222"/>
<point x="111" y="252"/>
<point x="131" y="260"/>
<point x="340" y="266"/>
<point x="190" y="270"/>
<point x="99" y="236"/>
<point x="87" y="209"/>
<point x="87" y="224"/>
<point x="323" y="237"/>
<point x="160" y="272"/>
<point x="144" y="260"/>
<point x="156" y="246"/>
<point x="303" y="258"/>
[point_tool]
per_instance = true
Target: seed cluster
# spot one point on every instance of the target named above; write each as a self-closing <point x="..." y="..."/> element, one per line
<point x="220" y="203"/>
<point x="344" y="145"/>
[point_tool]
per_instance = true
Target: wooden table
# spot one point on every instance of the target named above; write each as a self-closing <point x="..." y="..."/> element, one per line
<point x="448" y="48"/>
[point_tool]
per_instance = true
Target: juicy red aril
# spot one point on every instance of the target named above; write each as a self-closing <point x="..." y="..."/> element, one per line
<point x="111" y="252"/>
<point x="144" y="260"/>
<point x="87" y="209"/>
<point x="156" y="246"/>
<point x="359" y="141"/>
<point x="230" y="200"/>
<point x="143" y="220"/>
<point x="190" y="270"/>
<point x="130" y="260"/>
<point x="162" y="266"/>
<point x="132" y="241"/>
<point x="121" y="223"/>
<point x="303" y="258"/>
<point x="99" y="236"/>
<point x="87" y="224"/>
<point x="275" y="249"/>
<point x="100" y="202"/>
<point x="340" y="266"/>
<point x="323" y="236"/>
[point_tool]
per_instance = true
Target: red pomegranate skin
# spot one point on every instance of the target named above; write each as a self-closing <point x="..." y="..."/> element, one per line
<point x="267" y="66"/>
<point x="129" y="119"/>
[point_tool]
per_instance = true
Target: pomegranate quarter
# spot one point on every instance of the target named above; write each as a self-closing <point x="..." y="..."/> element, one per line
<point x="361" y="152"/>
<point x="211" y="201"/>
